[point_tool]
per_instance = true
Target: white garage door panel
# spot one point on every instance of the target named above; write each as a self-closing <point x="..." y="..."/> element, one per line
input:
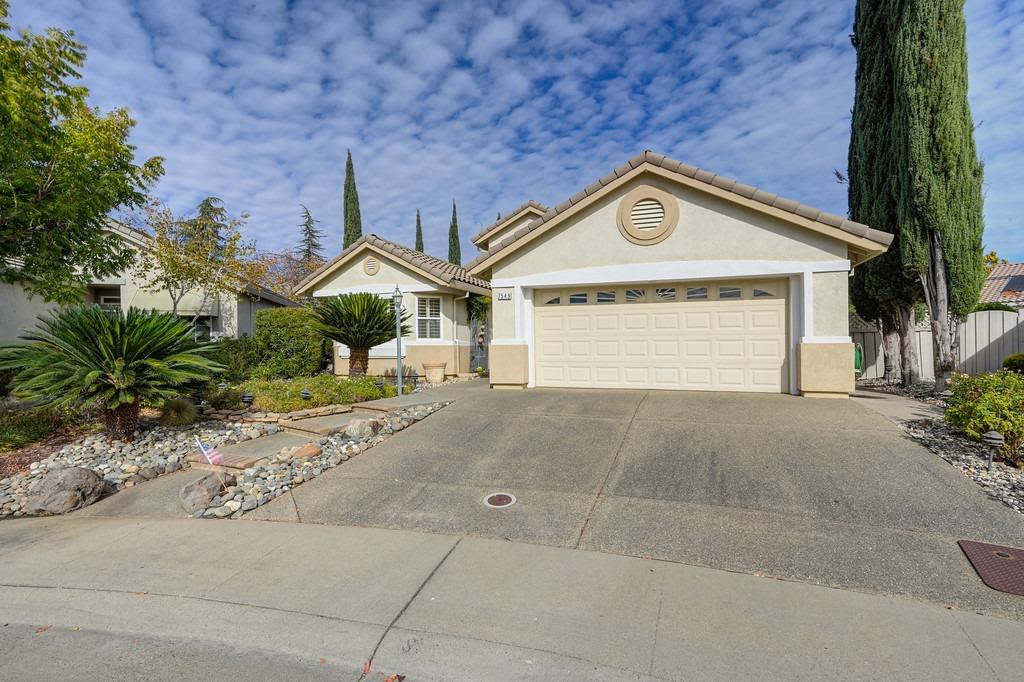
<point x="714" y="345"/>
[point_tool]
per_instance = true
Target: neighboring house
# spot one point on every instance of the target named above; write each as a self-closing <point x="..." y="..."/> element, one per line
<point x="520" y="217"/>
<point x="434" y="292"/>
<point x="663" y="275"/>
<point x="227" y="315"/>
<point x="1005" y="284"/>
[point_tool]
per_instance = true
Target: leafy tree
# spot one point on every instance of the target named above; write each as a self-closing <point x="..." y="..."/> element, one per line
<point x="63" y="167"/>
<point x="990" y="260"/>
<point x="913" y="130"/>
<point x="311" y="248"/>
<point x="282" y="271"/>
<point x="87" y="356"/>
<point x="454" y="249"/>
<point x="353" y="221"/>
<point x="204" y="254"/>
<point x="419" y="232"/>
<point x="359" y="322"/>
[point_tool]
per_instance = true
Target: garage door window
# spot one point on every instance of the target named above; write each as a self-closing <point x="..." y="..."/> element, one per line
<point x="554" y="300"/>
<point x="730" y="292"/>
<point x="428" y="318"/>
<point x="635" y="295"/>
<point x="606" y="297"/>
<point x="666" y="293"/>
<point x="578" y="299"/>
<point x="763" y="293"/>
<point x="696" y="293"/>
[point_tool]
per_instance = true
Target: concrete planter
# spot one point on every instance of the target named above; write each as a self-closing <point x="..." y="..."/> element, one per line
<point x="434" y="371"/>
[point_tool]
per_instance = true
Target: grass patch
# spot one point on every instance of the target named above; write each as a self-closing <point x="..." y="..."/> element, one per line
<point x="285" y="395"/>
<point x="19" y="428"/>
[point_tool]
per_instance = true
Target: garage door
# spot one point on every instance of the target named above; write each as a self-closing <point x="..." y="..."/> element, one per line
<point x="714" y="336"/>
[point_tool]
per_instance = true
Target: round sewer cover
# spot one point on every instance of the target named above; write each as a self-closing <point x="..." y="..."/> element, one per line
<point x="500" y="500"/>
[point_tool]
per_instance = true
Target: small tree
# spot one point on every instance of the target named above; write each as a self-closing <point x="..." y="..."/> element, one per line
<point x="359" y="322"/>
<point x="353" y="219"/>
<point x="63" y="167"/>
<point x="419" y="232"/>
<point x="281" y="271"/>
<point x="311" y="248"/>
<point x="454" y="249"/>
<point x="204" y="254"/>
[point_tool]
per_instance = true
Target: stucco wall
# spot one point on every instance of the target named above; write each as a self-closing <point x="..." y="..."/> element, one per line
<point x="18" y="311"/>
<point x="709" y="229"/>
<point x="831" y="304"/>
<point x="503" y="315"/>
<point x="509" y="229"/>
<point x="352" y="275"/>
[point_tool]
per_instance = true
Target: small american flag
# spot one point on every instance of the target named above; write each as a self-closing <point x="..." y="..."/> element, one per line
<point x="211" y="455"/>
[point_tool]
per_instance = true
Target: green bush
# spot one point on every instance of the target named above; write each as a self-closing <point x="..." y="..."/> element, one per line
<point x="229" y="398"/>
<point x="239" y="357"/>
<point x="1014" y="363"/>
<point x="990" y="402"/>
<point x="993" y="305"/>
<point x="19" y="428"/>
<point x="284" y="395"/>
<point x="288" y="344"/>
<point x="178" y="412"/>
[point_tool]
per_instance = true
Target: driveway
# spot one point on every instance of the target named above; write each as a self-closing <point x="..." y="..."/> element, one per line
<point x="818" y="491"/>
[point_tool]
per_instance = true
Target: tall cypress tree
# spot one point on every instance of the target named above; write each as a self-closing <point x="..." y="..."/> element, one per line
<point x="913" y="131"/>
<point x="454" y="250"/>
<point x="310" y="246"/>
<point x="419" y="232"/>
<point x="353" y="221"/>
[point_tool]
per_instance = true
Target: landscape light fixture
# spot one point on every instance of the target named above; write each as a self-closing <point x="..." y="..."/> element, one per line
<point x="396" y="298"/>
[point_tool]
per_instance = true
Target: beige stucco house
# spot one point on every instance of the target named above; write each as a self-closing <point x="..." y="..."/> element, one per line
<point x="434" y="292"/>
<point x="663" y="275"/>
<point x="229" y="314"/>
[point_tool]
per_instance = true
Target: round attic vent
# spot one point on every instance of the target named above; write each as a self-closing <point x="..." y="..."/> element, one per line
<point x="371" y="266"/>
<point x="647" y="214"/>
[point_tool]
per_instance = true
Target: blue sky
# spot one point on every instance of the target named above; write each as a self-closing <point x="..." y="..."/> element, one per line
<point x="492" y="104"/>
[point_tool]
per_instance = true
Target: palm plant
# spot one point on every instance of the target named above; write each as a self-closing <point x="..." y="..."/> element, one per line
<point x="358" y="321"/>
<point x="116" y="361"/>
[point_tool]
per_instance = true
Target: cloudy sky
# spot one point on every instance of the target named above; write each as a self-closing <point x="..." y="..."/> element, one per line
<point x="256" y="102"/>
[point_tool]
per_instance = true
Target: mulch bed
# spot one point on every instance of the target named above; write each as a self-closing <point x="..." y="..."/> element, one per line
<point x="14" y="461"/>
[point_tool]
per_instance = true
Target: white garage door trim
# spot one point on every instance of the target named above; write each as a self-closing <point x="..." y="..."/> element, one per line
<point x="716" y="336"/>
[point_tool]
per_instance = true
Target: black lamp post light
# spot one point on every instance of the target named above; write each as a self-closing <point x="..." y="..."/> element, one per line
<point x="994" y="440"/>
<point x="247" y="398"/>
<point x="305" y="394"/>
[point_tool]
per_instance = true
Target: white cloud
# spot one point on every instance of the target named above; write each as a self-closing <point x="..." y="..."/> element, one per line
<point x="257" y="102"/>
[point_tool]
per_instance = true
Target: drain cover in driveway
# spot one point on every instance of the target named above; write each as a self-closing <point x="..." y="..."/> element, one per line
<point x="1001" y="568"/>
<point x="500" y="500"/>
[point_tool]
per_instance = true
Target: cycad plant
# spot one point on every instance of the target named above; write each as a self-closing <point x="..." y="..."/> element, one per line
<point x="116" y="361"/>
<point x="358" y="321"/>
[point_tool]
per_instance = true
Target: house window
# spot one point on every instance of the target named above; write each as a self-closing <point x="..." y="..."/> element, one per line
<point x="577" y="299"/>
<point x="730" y="292"/>
<point x="696" y="293"/>
<point x="763" y="293"/>
<point x="428" y="317"/>
<point x="557" y="300"/>
<point x="666" y="293"/>
<point x="606" y="297"/>
<point x="110" y="302"/>
<point x="635" y="295"/>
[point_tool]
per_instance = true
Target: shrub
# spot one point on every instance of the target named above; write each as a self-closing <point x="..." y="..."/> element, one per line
<point x="116" y="360"/>
<point x="239" y="357"/>
<point x="225" y="399"/>
<point x="19" y="428"/>
<point x="288" y="344"/>
<point x="993" y="305"/>
<point x="284" y="395"/>
<point x="990" y="402"/>
<point x="178" y="412"/>
<point x="1014" y="363"/>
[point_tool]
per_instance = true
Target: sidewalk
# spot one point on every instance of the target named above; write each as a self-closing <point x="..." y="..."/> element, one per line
<point x="897" y="408"/>
<point x="443" y="607"/>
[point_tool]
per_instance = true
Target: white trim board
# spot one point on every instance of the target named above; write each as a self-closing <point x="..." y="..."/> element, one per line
<point x="666" y="271"/>
<point x="380" y="289"/>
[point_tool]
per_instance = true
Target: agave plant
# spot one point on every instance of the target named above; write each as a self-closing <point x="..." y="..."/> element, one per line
<point x="358" y="321"/>
<point x="116" y="361"/>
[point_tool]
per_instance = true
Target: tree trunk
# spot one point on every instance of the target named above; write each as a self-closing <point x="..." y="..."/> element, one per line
<point x="122" y="421"/>
<point x="891" y="354"/>
<point x="936" y="294"/>
<point x="358" y="361"/>
<point x="908" y="350"/>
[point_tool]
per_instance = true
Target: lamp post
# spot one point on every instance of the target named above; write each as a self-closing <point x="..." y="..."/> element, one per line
<point x="994" y="440"/>
<point x="396" y="298"/>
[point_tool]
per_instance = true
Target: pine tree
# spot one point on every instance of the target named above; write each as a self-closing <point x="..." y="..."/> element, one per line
<point x="310" y="249"/>
<point x="419" y="232"/>
<point x="454" y="249"/>
<point x="353" y="221"/>
<point x="913" y="131"/>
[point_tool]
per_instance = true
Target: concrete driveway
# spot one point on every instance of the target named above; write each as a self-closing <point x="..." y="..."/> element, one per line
<point x="818" y="491"/>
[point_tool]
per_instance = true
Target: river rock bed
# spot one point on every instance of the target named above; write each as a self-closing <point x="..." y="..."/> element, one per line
<point x="292" y="466"/>
<point x="156" y="450"/>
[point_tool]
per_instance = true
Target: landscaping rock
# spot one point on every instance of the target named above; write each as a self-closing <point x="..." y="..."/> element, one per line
<point x="361" y="429"/>
<point x="200" y="493"/>
<point x="63" y="491"/>
<point x="306" y="451"/>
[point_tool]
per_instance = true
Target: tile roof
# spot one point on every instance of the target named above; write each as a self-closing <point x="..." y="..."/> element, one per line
<point x="1005" y="284"/>
<point x="452" y="275"/>
<point x="508" y="217"/>
<point x="719" y="181"/>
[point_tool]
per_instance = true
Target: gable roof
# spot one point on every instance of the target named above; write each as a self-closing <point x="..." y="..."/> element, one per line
<point x="444" y="273"/>
<point x="1005" y="284"/>
<point x="866" y="242"/>
<point x="530" y="206"/>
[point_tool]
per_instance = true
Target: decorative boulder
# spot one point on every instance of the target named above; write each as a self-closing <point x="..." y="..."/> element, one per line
<point x="361" y="429"/>
<point x="64" y="490"/>
<point x="306" y="451"/>
<point x="200" y="493"/>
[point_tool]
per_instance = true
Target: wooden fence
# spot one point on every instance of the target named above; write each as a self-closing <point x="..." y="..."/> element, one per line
<point x="986" y="338"/>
